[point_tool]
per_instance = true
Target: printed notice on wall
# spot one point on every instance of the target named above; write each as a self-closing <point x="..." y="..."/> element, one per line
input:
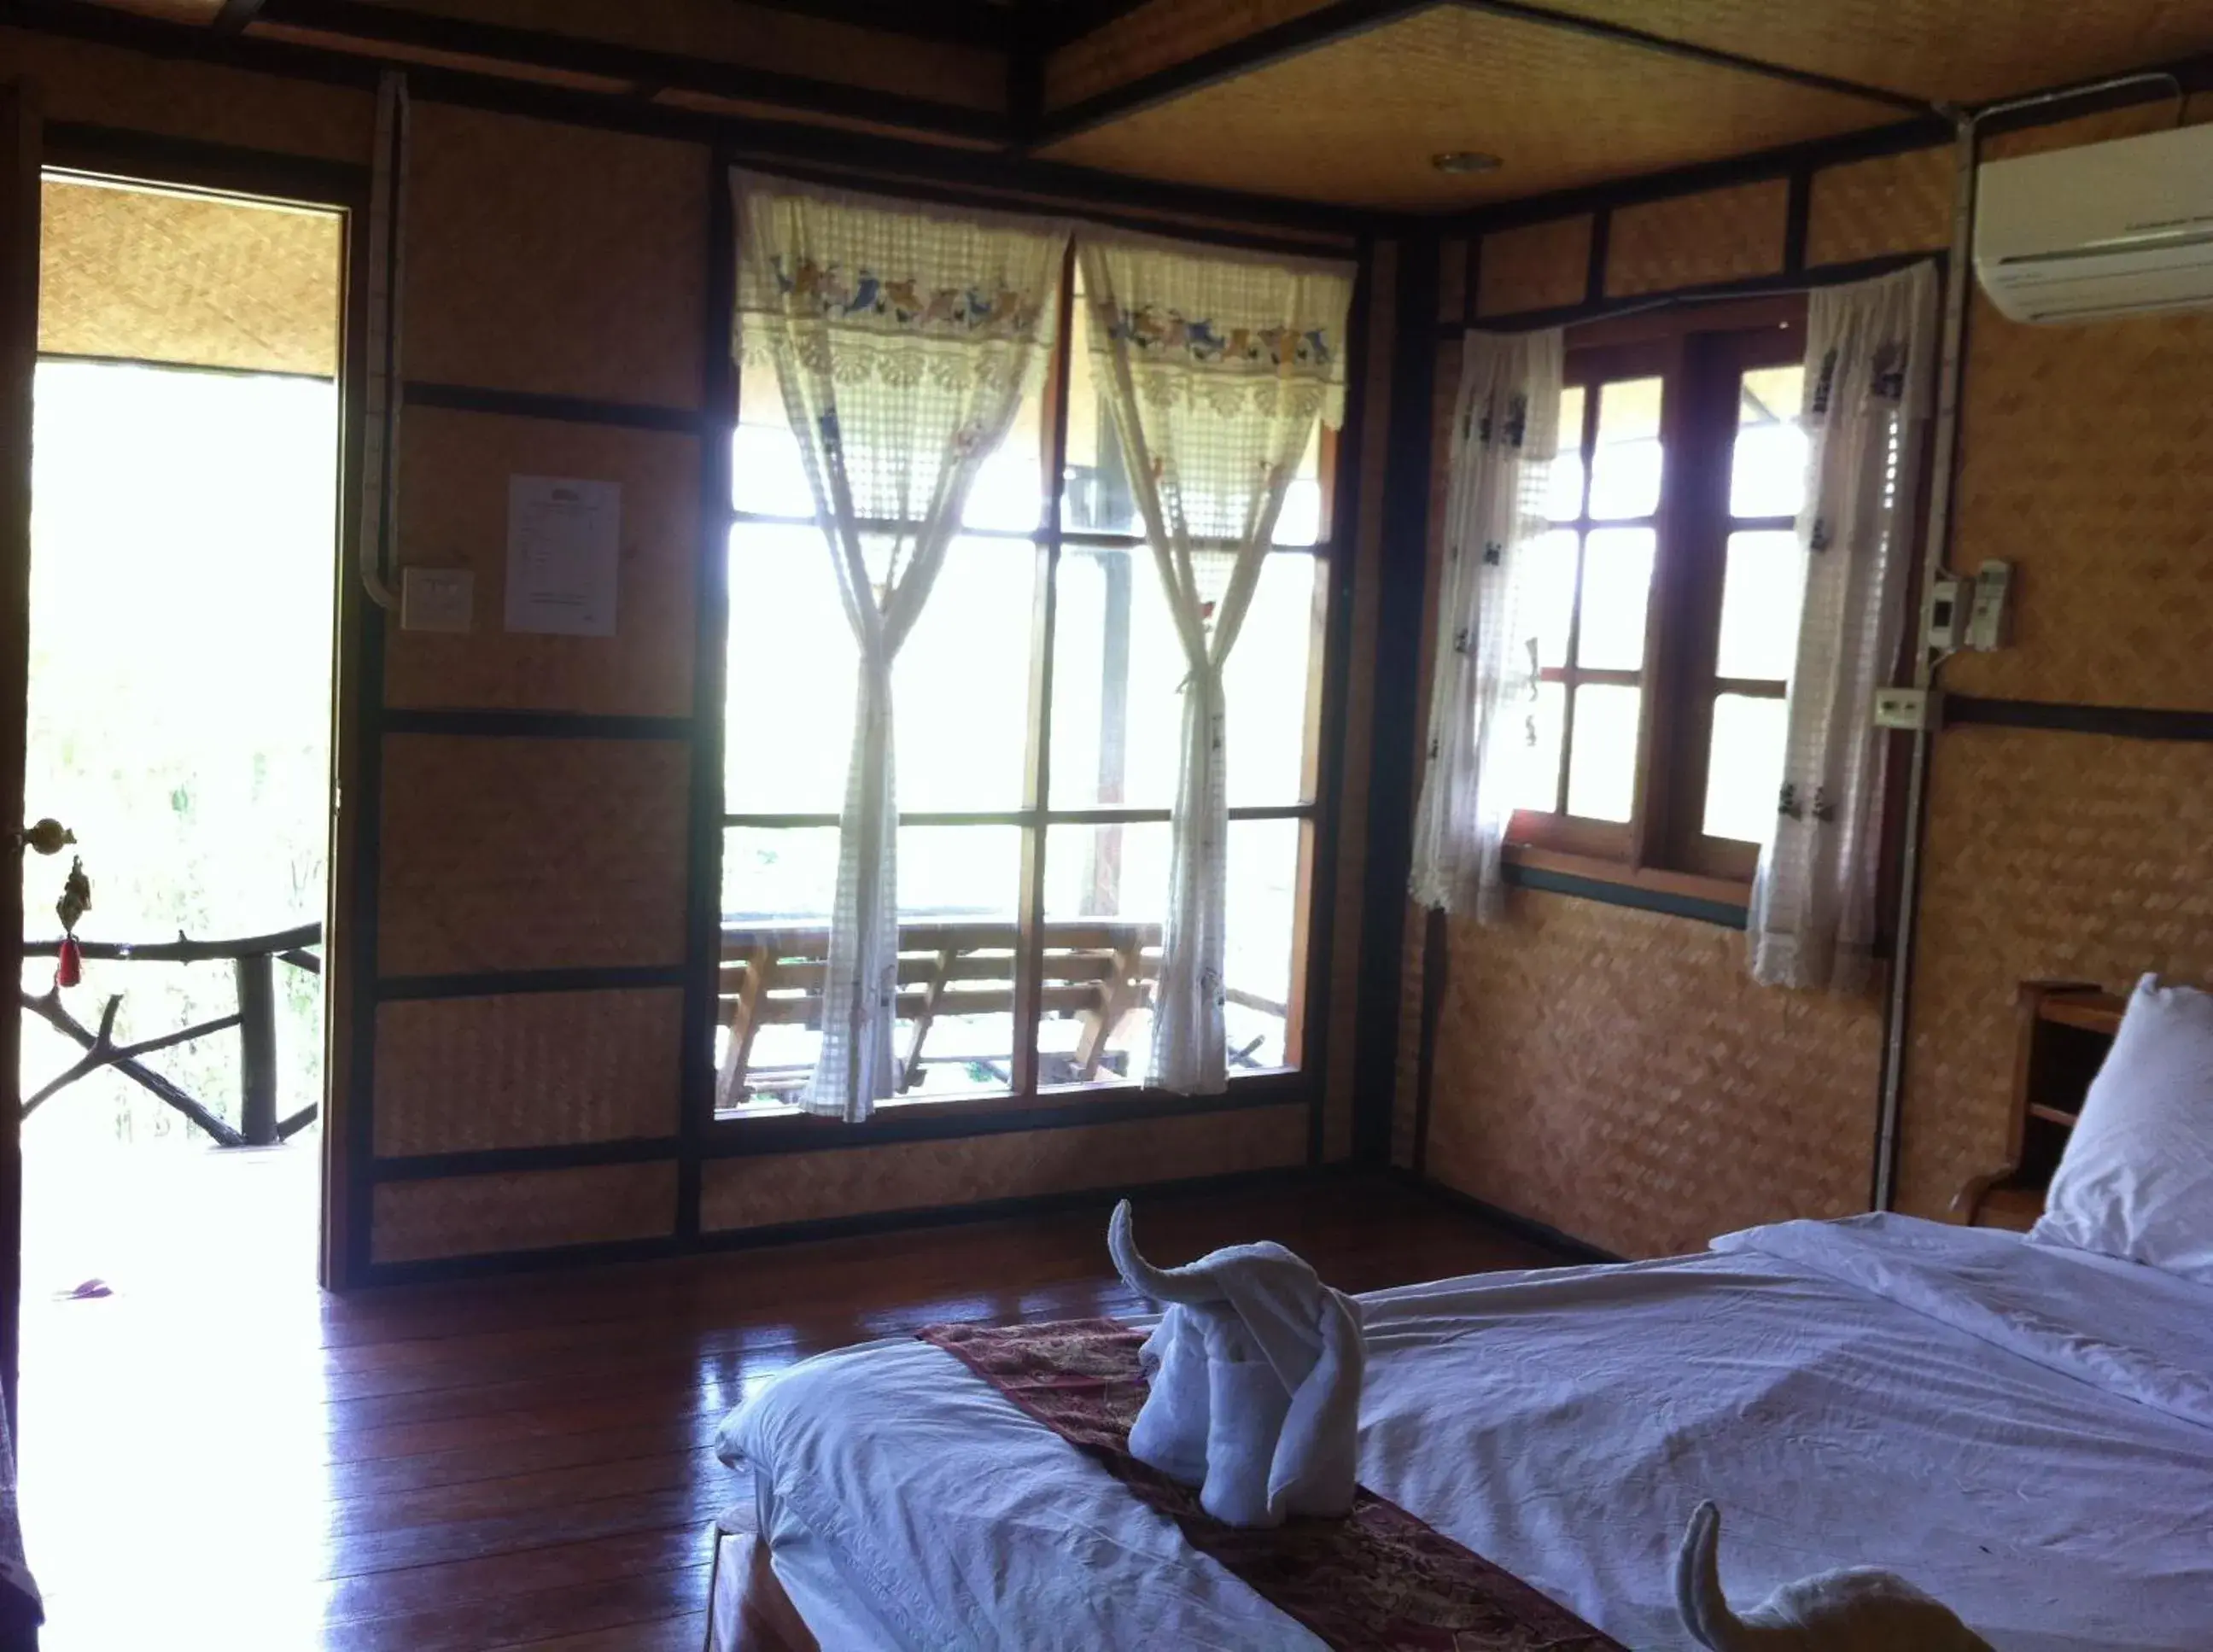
<point x="563" y="539"/>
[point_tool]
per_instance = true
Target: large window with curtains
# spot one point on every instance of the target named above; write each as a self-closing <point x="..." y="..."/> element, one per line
<point x="1037" y="704"/>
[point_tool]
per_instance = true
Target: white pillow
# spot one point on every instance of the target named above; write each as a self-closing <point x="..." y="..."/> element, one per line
<point x="2136" y="1179"/>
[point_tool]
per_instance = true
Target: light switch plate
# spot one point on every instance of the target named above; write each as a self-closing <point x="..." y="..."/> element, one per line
<point x="436" y="599"/>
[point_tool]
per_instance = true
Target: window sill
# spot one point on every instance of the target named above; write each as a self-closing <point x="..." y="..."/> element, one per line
<point x="1648" y="888"/>
<point x="787" y="1128"/>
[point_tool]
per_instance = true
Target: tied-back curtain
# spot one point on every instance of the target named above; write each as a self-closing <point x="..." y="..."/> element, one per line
<point x="903" y="339"/>
<point x="1870" y="356"/>
<point x="1483" y="681"/>
<point x="1215" y="370"/>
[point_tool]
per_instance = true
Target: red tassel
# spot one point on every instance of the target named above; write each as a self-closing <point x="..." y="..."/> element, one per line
<point x="69" y="965"/>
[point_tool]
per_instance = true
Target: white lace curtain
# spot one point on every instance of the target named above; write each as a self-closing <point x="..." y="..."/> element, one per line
<point x="1215" y="369"/>
<point x="1870" y="352"/>
<point x="1483" y="682"/>
<point x="903" y="339"/>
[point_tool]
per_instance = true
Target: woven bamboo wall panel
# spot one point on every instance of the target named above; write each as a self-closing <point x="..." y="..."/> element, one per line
<point x="530" y="853"/>
<point x="1357" y="120"/>
<point x="772" y="1189"/>
<point x="2048" y="855"/>
<point x="2132" y="120"/>
<point x="776" y="37"/>
<point x="1537" y="266"/>
<point x="1715" y="235"/>
<point x="1344" y="1004"/>
<point x="530" y="1069"/>
<point x="521" y="1211"/>
<point x="2086" y="464"/>
<point x="151" y="276"/>
<point x="1891" y="203"/>
<point x="453" y="513"/>
<point x="555" y="258"/>
<point x="106" y="87"/>
<point x="1618" y="1074"/>
<point x="1155" y="36"/>
<point x="1964" y="50"/>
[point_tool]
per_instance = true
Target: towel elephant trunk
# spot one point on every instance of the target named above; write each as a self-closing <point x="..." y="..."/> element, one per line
<point x="1255" y="1371"/>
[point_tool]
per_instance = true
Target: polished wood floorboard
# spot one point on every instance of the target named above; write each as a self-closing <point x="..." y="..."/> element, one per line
<point x="525" y="1462"/>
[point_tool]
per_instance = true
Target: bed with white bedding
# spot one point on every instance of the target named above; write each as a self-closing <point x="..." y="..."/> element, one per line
<point x="2024" y="1430"/>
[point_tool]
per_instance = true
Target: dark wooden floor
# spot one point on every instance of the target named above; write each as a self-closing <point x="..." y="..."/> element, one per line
<point x="524" y="1463"/>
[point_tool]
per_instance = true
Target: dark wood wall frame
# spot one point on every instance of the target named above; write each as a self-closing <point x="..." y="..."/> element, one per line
<point x="1394" y="737"/>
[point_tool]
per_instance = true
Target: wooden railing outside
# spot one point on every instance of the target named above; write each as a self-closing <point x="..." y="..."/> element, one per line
<point x="254" y="961"/>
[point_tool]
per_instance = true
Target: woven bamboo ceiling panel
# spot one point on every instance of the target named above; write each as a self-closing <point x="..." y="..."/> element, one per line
<point x="1356" y="121"/>
<point x="1155" y="36"/>
<point x="1967" y="50"/>
<point x="145" y="276"/>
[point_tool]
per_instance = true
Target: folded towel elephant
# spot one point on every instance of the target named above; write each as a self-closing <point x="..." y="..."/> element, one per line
<point x="1859" y="1609"/>
<point x="1255" y="1371"/>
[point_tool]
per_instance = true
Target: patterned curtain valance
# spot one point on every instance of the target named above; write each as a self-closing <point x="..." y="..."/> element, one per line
<point x="1219" y="332"/>
<point x="861" y="286"/>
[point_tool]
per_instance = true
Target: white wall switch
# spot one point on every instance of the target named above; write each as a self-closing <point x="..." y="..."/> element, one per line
<point x="1986" y="618"/>
<point x="1901" y="708"/>
<point x="436" y="599"/>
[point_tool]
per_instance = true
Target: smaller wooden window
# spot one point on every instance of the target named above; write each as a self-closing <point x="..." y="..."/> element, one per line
<point x="1667" y="593"/>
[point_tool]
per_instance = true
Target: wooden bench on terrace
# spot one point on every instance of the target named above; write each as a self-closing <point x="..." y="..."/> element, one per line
<point x="1096" y="972"/>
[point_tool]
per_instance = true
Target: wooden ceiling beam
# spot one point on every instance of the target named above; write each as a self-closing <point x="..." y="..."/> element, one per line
<point x="236" y="16"/>
<point x="396" y="27"/>
<point x="958" y="22"/>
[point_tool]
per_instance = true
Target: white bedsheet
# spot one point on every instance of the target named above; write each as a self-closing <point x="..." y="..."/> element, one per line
<point x="2024" y="1431"/>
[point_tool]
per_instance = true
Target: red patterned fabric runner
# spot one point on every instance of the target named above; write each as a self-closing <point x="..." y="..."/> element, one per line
<point x="1377" y="1581"/>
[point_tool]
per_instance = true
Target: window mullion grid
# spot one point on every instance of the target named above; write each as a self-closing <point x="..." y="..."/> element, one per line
<point x="1029" y="968"/>
<point x="1571" y="674"/>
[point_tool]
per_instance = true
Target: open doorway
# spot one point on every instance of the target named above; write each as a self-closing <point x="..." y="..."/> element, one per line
<point x="185" y="492"/>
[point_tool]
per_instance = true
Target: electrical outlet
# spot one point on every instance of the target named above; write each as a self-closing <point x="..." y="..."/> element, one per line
<point x="1901" y="708"/>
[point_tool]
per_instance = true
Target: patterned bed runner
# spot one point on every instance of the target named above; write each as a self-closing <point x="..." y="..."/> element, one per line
<point x="1377" y="1581"/>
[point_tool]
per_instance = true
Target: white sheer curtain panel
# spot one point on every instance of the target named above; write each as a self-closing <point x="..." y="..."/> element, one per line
<point x="1870" y="359"/>
<point x="903" y="338"/>
<point x="1483" y="680"/>
<point x="1215" y="369"/>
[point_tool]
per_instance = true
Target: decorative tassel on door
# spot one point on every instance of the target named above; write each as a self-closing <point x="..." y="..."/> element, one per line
<point x="75" y="902"/>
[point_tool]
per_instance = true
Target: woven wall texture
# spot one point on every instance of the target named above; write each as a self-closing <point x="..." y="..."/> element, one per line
<point x="776" y="1188"/>
<point x="1618" y="1075"/>
<point x="555" y="258"/>
<point x="155" y="277"/>
<point x="1537" y="266"/>
<point x="1685" y="240"/>
<point x="531" y="854"/>
<point x="2049" y="856"/>
<point x="454" y="469"/>
<point x="1891" y="203"/>
<point x="528" y="1069"/>
<point x="106" y="87"/>
<point x="2086" y="464"/>
<point x="475" y="1216"/>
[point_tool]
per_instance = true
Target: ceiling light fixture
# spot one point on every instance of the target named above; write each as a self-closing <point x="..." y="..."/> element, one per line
<point x="1457" y="161"/>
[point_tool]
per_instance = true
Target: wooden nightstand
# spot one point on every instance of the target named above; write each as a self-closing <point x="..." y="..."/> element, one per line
<point x="2065" y="1029"/>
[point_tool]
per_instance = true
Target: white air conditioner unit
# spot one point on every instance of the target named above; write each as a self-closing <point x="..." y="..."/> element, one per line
<point x="2106" y="229"/>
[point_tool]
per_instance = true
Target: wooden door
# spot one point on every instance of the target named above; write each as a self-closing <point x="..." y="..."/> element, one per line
<point x="19" y="355"/>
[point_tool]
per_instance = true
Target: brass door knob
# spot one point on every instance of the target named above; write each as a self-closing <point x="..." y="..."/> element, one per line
<point x="48" y="837"/>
